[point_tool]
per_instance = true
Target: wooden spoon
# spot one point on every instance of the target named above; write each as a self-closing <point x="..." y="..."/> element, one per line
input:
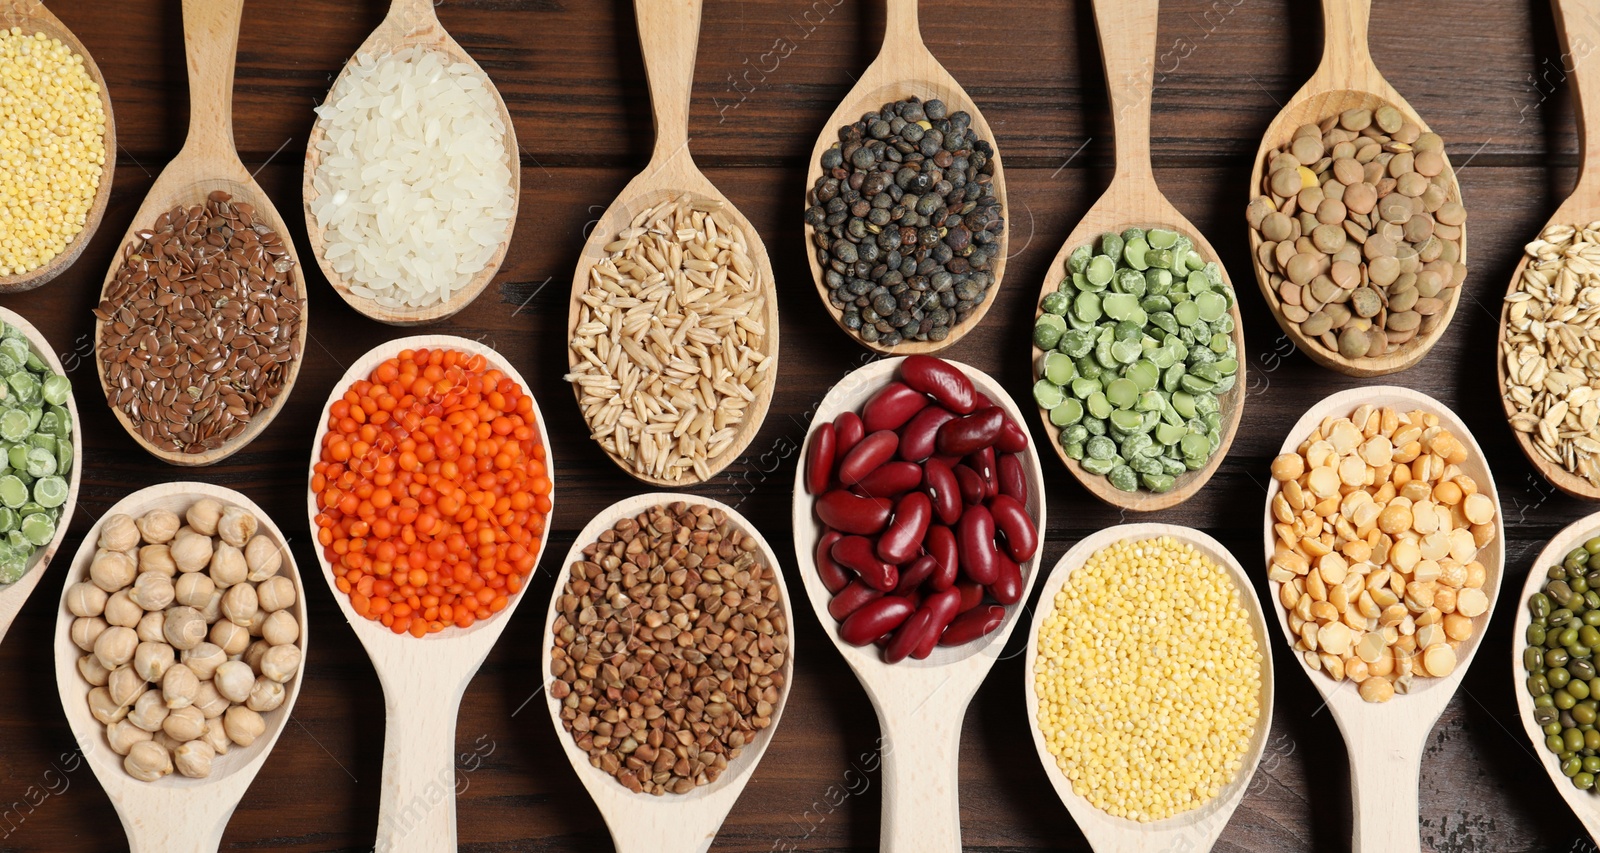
<point x="1385" y="741"/>
<point x="411" y="23"/>
<point x="1347" y="79"/>
<point x="905" y="67"/>
<point x="1583" y="803"/>
<point x="33" y="17"/>
<point x="175" y="814"/>
<point x="1197" y="829"/>
<point x="1127" y="44"/>
<point x="641" y="822"/>
<point x="669" y="34"/>
<point x="12" y="597"/>
<point x="423" y="679"/>
<point x="920" y="704"/>
<point x="207" y="163"/>
<point x="1578" y="27"/>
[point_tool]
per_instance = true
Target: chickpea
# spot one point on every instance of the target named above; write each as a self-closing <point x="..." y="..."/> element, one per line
<point x="204" y="659"/>
<point x="216" y="737"/>
<point x="179" y="686"/>
<point x="152" y="660"/>
<point x="228" y="566"/>
<point x="93" y="671"/>
<point x="266" y="695"/>
<point x="147" y="761"/>
<point x="193" y="759"/>
<point x="111" y="570"/>
<point x="118" y="533"/>
<point x="152" y="591"/>
<point x="190" y="550"/>
<point x="264" y="558"/>
<point x="209" y="701"/>
<point x="236" y="526"/>
<point x="232" y="638"/>
<point x="157" y="558"/>
<point x="125" y="685"/>
<point x="167" y="742"/>
<point x="281" y="628"/>
<point x="194" y="589"/>
<point x="86" y="599"/>
<point x="150" y="627"/>
<point x="184" y="724"/>
<point x="203" y="515"/>
<point x="122" y="736"/>
<point x="240" y="604"/>
<point x="234" y="680"/>
<point x="149" y="711"/>
<point x="86" y="630"/>
<point x="274" y="594"/>
<point x="243" y="725"/>
<point x="158" y="526"/>
<point x="185" y="628"/>
<point x="280" y="663"/>
<point x="114" y="647"/>
<point x="104" y="708"/>
<point x="122" y="610"/>
<point x="212" y="611"/>
<point x="257" y="622"/>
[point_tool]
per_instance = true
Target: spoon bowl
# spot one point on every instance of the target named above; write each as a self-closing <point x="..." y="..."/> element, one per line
<point x="920" y="704"/>
<point x="640" y="822"/>
<point x="207" y="163"/>
<point x="904" y="68"/>
<point x="33" y="17"/>
<point x="1385" y="740"/>
<point x="13" y="596"/>
<point x="1578" y="27"/>
<point x="410" y="23"/>
<point x="1198" y="828"/>
<point x="174" y="814"/>
<point x="1127" y="31"/>
<point x="1346" y="79"/>
<point x="669" y="34"/>
<point x="423" y="678"/>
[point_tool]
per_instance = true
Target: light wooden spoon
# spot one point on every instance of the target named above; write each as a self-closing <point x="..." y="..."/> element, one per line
<point x="175" y="814"/>
<point x="1127" y="44"/>
<point x="1578" y="27"/>
<point x="1584" y="804"/>
<point x="905" y="67"/>
<point x="207" y="163"/>
<point x="1385" y="741"/>
<point x="1347" y="79"/>
<point x="669" y="34"/>
<point x="411" y="23"/>
<point x="641" y="822"/>
<point x="33" y="17"/>
<point x="920" y="704"/>
<point x="1197" y="829"/>
<point x="423" y="679"/>
<point x="13" y="596"/>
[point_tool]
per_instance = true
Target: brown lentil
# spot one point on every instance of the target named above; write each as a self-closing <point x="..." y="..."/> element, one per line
<point x="669" y="648"/>
<point x="200" y="327"/>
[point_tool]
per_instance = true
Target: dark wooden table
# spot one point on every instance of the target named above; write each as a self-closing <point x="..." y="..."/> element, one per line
<point x="1489" y="77"/>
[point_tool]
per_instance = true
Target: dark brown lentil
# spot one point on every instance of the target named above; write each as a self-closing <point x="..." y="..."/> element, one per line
<point x="906" y="223"/>
<point x="200" y="326"/>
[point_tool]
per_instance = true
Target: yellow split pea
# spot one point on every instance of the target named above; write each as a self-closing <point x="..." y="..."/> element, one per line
<point x="52" y="148"/>
<point x="1149" y="679"/>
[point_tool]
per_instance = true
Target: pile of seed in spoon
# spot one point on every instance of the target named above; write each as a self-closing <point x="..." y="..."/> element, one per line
<point x="201" y="325"/>
<point x="1361" y="231"/>
<point x="905" y="222"/>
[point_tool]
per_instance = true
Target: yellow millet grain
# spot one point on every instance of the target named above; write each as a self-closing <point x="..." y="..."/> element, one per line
<point x="52" y="148"/>
<point x="1149" y="679"/>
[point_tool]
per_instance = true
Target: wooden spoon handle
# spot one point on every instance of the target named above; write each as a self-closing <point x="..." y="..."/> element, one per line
<point x="921" y="765"/>
<point x="173" y="822"/>
<point x="669" y="36"/>
<point x="1346" y="58"/>
<point x="651" y="831"/>
<point x="417" y="804"/>
<point x="211" y="43"/>
<point x="1385" y="770"/>
<point x="1127" y="47"/>
<point x="1579" y="24"/>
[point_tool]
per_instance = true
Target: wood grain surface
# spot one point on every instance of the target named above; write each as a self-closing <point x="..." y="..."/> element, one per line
<point x="1488" y="77"/>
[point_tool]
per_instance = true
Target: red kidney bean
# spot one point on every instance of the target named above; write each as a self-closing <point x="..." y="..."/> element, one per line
<point x="872" y="451"/>
<point x="1012" y="438"/>
<point x="970" y="484"/>
<point x="855" y="553"/>
<point x="917" y="436"/>
<point x="944" y="606"/>
<point x="975" y="533"/>
<point x="892" y="479"/>
<point x="851" y="513"/>
<point x="944" y="489"/>
<point x="900" y="542"/>
<point x="875" y="619"/>
<point x="971" y="433"/>
<point x="940" y="543"/>
<point x="973" y="624"/>
<point x="915" y="574"/>
<point x="971" y="595"/>
<point x="850" y="599"/>
<point x="1013" y="480"/>
<point x="848" y="430"/>
<point x="1007" y="587"/>
<point x="982" y="463"/>
<point x="940" y="380"/>
<point x="819" y="459"/>
<point x="1011" y="517"/>
<point x="909" y="636"/>
<point x="833" y="575"/>
<point x="892" y="406"/>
